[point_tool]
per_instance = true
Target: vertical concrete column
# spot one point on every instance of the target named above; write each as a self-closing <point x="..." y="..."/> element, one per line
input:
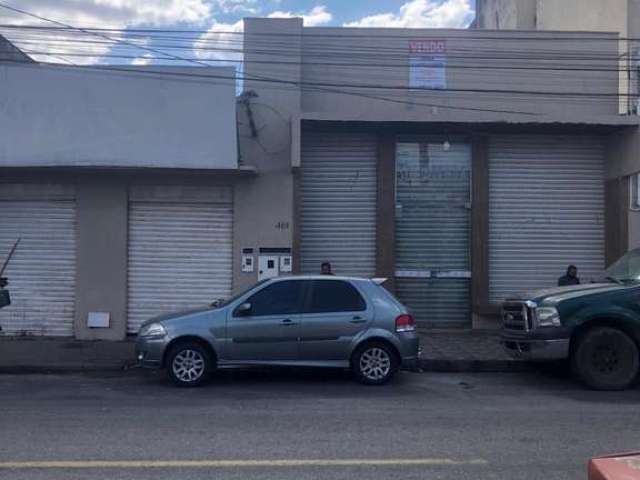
<point x="482" y="312"/>
<point x="263" y="206"/>
<point x="101" y="259"/>
<point x="386" y="209"/>
<point x="616" y="218"/>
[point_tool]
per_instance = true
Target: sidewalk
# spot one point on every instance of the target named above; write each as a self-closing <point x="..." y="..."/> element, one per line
<point x="442" y="351"/>
<point x="466" y="351"/>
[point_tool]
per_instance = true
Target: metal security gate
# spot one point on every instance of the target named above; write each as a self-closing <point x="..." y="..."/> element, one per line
<point x="42" y="272"/>
<point x="433" y="205"/>
<point x="338" y="203"/>
<point x="180" y="249"/>
<point x="546" y="210"/>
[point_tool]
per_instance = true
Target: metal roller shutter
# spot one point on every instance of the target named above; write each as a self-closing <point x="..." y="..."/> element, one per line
<point x="42" y="272"/>
<point x="338" y="203"/>
<point x="432" y="231"/>
<point x="546" y="210"/>
<point x="180" y="249"/>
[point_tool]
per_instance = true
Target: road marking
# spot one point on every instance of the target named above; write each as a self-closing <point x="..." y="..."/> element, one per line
<point x="125" y="464"/>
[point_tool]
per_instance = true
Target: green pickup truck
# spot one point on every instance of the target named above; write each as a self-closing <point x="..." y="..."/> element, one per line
<point x="596" y="326"/>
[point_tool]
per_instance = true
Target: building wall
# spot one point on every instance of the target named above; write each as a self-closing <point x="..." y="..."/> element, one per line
<point x="68" y="116"/>
<point x="583" y="15"/>
<point x="506" y="14"/>
<point x="264" y="205"/>
<point x="377" y="62"/>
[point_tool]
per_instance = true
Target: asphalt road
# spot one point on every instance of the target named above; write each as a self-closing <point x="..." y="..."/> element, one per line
<point x="308" y="425"/>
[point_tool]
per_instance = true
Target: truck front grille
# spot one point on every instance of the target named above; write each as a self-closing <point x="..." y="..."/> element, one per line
<point x="517" y="316"/>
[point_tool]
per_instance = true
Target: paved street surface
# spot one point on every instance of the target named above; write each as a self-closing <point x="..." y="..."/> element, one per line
<point x="309" y="425"/>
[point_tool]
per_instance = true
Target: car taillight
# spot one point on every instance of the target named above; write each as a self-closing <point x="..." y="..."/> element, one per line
<point x="405" y="323"/>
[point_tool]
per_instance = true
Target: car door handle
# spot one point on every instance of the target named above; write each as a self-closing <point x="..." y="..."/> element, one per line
<point x="357" y="319"/>
<point x="287" y="321"/>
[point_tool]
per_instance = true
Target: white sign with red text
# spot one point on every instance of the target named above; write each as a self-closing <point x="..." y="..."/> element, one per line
<point x="428" y="64"/>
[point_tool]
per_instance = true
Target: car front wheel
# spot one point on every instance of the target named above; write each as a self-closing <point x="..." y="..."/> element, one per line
<point x="606" y="358"/>
<point x="374" y="363"/>
<point x="189" y="364"/>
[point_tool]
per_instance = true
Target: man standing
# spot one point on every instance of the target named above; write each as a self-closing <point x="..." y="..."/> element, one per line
<point x="571" y="278"/>
<point x="325" y="268"/>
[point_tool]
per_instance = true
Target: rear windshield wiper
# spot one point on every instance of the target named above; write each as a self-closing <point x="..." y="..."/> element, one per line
<point x="613" y="280"/>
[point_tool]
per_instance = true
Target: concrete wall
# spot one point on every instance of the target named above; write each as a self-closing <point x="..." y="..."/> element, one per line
<point x="476" y="60"/>
<point x="73" y="116"/>
<point x="506" y="14"/>
<point x="264" y="205"/>
<point x="101" y="261"/>
<point x="583" y="15"/>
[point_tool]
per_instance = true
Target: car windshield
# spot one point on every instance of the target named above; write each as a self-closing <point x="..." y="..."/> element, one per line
<point x="224" y="302"/>
<point x="626" y="269"/>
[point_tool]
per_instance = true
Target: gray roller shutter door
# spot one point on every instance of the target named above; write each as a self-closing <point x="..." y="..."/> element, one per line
<point x="42" y="272"/>
<point x="432" y="233"/>
<point x="338" y="203"/>
<point x="546" y="210"/>
<point x="180" y="249"/>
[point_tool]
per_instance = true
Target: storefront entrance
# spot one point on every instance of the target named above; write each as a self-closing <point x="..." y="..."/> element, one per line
<point x="433" y="224"/>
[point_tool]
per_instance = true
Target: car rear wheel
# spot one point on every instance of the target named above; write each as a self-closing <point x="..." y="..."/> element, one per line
<point x="374" y="363"/>
<point x="189" y="364"/>
<point x="606" y="358"/>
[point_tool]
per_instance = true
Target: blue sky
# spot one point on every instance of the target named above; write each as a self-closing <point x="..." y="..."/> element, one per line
<point x="211" y="16"/>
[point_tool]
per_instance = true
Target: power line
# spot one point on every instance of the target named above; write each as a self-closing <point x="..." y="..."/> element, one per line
<point x="432" y="33"/>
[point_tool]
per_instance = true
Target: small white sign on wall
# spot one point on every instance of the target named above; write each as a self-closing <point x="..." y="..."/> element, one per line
<point x="98" y="319"/>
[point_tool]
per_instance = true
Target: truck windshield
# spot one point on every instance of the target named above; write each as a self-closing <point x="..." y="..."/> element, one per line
<point x="626" y="269"/>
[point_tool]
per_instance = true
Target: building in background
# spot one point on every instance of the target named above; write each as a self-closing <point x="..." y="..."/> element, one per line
<point x="460" y="164"/>
<point x="618" y="16"/>
<point x="119" y="183"/>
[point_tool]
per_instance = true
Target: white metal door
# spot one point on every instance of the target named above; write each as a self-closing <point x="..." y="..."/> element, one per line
<point x="338" y="203"/>
<point x="267" y="267"/>
<point x="546" y="210"/>
<point x="180" y="249"/>
<point x="42" y="272"/>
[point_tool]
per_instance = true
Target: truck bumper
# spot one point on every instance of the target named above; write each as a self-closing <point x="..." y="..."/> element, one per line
<point x="530" y="349"/>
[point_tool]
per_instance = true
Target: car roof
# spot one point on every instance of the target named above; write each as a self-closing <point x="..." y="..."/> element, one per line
<point x="322" y="277"/>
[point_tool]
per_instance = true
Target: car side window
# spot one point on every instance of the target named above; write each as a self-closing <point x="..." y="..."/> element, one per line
<point x="334" y="296"/>
<point x="280" y="298"/>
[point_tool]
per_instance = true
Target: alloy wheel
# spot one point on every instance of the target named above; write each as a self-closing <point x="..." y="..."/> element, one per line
<point x="375" y="363"/>
<point x="188" y="365"/>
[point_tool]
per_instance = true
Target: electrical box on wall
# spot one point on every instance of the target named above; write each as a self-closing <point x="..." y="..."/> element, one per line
<point x="273" y="261"/>
<point x="247" y="260"/>
<point x="285" y="263"/>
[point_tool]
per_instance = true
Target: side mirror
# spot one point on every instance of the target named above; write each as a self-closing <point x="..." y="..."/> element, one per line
<point x="243" y="310"/>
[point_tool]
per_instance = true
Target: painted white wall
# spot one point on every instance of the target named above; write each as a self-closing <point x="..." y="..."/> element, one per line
<point x="75" y="116"/>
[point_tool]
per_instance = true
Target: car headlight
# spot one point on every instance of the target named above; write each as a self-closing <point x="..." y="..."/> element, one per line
<point x="548" y="317"/>
<point x="152" y="330"/>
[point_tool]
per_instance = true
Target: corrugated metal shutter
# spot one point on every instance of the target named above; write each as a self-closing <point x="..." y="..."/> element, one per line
<point x="180" y="249"/>
<point x="432" y="231"/>
<point x="546" y="210"/>
<point x="42" y="273"/>
<point x="338" y="203"/>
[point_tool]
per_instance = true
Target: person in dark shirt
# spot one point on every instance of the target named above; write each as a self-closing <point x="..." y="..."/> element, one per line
<point x="571" y="278"/>
<point x="325" y="268"/>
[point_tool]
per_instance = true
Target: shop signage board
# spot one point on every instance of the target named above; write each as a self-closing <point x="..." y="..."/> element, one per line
<point x="428" y="64"/>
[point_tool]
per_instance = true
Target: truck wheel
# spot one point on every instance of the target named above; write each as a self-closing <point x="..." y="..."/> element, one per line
<point x="606" y="358"/>
<point x="189" y="364"/>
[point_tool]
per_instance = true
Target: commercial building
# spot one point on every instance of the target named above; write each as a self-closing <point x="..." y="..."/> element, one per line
<point x="465" y="166"/>
<point x="462" y="165"/>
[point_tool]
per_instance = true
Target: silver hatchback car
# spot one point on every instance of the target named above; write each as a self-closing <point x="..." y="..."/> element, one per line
<point x="314" y="321"/>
